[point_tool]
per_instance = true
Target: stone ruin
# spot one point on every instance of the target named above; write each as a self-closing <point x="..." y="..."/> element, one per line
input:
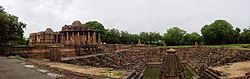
<point x="137" y="57"/>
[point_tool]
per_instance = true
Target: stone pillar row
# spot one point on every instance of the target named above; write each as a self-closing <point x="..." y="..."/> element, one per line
<point x="91" y="38"/>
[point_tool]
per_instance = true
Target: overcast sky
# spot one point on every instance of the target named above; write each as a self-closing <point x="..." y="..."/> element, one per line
<point x="129" y="15"/>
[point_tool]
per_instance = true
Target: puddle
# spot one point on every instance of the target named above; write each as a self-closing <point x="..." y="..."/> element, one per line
<point x="29" y="66"/>
<point x="42" y="70"/>
<point x="54" y="75"/>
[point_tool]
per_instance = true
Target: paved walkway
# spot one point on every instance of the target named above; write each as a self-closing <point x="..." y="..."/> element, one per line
<point x="13" y="69"/>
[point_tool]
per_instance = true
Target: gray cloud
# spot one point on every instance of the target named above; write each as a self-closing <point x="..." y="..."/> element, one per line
<point x="129" y="15"/>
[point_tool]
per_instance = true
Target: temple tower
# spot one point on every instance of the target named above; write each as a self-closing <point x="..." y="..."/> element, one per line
<point x="171" y="67"/>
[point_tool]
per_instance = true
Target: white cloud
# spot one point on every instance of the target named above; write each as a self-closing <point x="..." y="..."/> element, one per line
<point x="129" y="15"/>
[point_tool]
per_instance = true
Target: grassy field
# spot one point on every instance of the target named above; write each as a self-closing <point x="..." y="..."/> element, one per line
<point x="233" y="46"/>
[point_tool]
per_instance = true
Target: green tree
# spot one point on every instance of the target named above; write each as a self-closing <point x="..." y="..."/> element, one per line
<point x="113" y="36"/>
<point x="144" y="37"/>
<point x="98" y="27"/>
<point x="245" y="36"/>
<point x="11" y="31"/>
<point x="219" y="32"/>
<point x="125" y="37"/>
<point x="174" y="36"/>
<point x="191" y="38"/>
<point x="237" y="31"/>
<point x="134" y="38"/>
<point x="154" y="37"/>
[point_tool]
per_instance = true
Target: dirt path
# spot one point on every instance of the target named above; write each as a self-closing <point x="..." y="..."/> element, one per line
<point x="14" y="69"/>
<point x="235" y="69"/>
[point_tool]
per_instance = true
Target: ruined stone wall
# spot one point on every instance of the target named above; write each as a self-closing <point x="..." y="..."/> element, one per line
<point x="123" y="57"/>
<point x="41" y="52"/>
<point x="67" y="52"/>
<point x="197" y="57"/>
<point x="38" y="53"/>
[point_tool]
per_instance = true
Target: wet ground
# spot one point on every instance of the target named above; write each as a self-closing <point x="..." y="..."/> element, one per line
<point x="15" y="69"/>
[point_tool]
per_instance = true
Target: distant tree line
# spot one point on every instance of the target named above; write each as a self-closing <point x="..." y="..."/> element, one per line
<point x="216" y="33"/>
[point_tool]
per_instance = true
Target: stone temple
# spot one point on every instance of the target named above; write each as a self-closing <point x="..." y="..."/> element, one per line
<point x="74" y="34"/>
<point x="79" y="45"/>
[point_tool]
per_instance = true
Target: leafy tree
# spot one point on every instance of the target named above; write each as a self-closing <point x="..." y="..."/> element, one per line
<point x="191" y="38"/>
<point x="237" y="31"/>
<point x="125" y="37"/>
<point x="219" y="32"/>
<point x="174" y="36"/>
<point x="144" y="37"/>
<point x="98" y="27"/>
<point x="11" y="31"/>
<point x="154" y="37"/>
<point x="113" y="36"/>
<point x="134" y="38"/>
<point x="245" y="36"/>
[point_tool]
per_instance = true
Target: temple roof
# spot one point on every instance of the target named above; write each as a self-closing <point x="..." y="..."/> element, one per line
<point x="76" y="23"/>
<point x="48" y="30"/>
<point x="76" y="26"/>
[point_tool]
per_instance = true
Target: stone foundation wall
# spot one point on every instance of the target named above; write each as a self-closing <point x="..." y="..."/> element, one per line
<point x="30" y="52"/>
<point x="42" y="52"/>
<point x="195" y="56"/>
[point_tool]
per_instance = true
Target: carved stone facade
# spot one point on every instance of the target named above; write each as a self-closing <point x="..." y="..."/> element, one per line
<point x="74" y="34"/>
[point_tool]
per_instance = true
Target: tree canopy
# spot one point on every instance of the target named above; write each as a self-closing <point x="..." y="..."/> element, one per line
<point x="191" y="38"/>
<point x="113" y="36"/>
<point x="174" y="36"/>
<point x="11" y="32"/>
<point x="245" y="36"/>
<point x="98" y="27"/>
<point x="219" y="32"/>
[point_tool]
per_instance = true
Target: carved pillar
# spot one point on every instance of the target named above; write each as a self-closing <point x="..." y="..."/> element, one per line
<point x="62" y="38"/>
<point x="67" y="36"/>
<point x="84" y="41"/>
<point x="88" y="40"/>
<point x="94" y="38"/>
<point x="78" y="34"/>
<point x="52" y="38"/>
<point x="70" y="34"/>
<point x="99" y="38"/>
<point x="56" y="36"/>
